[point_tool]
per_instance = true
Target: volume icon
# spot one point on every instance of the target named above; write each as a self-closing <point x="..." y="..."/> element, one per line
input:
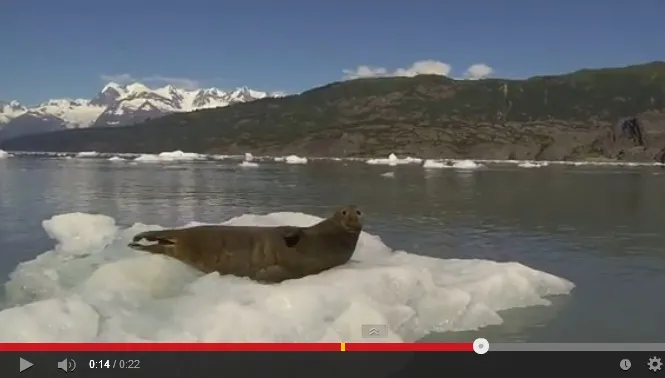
<point x="67" y="365"/>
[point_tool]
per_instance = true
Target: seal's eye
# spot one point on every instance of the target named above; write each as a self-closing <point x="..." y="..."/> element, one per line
<point x="344" y="212"/>
<point x="359" y="213"/>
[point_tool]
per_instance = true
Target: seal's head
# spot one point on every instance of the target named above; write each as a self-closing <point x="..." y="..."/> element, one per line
<point x="350" y="218"/>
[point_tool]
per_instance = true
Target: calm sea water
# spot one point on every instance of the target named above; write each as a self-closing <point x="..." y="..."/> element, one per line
<point x="601" y="228"/>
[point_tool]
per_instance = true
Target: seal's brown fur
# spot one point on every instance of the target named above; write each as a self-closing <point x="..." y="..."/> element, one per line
<point x="267" y="254"/>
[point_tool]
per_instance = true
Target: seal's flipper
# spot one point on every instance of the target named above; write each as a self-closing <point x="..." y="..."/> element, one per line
<point x="292" y="236"/>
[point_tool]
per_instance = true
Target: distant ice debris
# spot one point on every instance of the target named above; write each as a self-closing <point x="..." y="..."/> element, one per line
<point x="394" y="160"/>
<point x="170" y="157"/>
<point x="220" y="157"/>
<point x="4" y="154"/>
<point x="248" y="164"/>
<point x="294" y="159"/>
<point x="533" y="164"/>
<point x="429" y="163"/>
<point x="87" y="154"/>
<point x="388" y="174"/>
<point x="466" y="164"/>
<point x="92" y="287"/>
<point x="249" y="156"/>
<point x="116" y="158"/>
<point x="459" y="164"/>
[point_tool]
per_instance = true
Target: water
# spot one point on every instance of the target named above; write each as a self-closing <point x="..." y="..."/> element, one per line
<point x="598" y="227"/>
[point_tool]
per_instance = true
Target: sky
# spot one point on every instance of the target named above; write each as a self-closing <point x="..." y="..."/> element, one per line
<point x="72" y="48"/>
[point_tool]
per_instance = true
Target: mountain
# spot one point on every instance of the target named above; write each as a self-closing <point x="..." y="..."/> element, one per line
<point x="114" y="105"/>
<point x="10" y="110"/>
<point x="615" y="113"/>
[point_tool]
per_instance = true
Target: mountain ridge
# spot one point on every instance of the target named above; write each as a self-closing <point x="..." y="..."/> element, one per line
<point x="115" y="105"/>
<point x="616" y="113"/>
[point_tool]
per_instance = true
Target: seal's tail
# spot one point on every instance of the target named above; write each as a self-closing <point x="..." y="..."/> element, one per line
<point x="163" y="239"/>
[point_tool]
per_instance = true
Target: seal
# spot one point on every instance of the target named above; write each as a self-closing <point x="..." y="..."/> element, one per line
<point x="264" y="254"/>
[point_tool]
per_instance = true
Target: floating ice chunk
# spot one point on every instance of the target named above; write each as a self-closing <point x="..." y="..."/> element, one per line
<point x="87" y="154"/>
<point x="169" y="157"/>
<point x="466" y="164"/>
<point x="248" y="164"/>
<point x="295" y="159"/>
<point x="388" y="174"/>
<point x="279" y="158"/>
<point x="249" y="156"/>
<point x="116" y="158"/>
<point x="393" y="160"/>
<point x="435" y="164"/>
<point x="4" y="154"/>
<point x="92" y="287"/>
<point x="148" y="158"/>
<point x="532" y="164"/>
<point x="459" y="164"/>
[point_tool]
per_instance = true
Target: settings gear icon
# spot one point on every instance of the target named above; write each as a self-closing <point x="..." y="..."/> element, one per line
<point x="654" y="364"/>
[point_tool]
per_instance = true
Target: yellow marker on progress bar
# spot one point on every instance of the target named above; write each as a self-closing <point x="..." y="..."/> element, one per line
<point x="342" y="347"/>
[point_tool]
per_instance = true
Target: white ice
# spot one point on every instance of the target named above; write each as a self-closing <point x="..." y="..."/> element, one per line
<point x="248" y="164"/>
<point x="4" y="154"/>
<point x="92" y="287"/>
<point x="170" y="157"/>
<point x="249" y="156"/>
<point x="533" y="164"/>
<point x="393" y="160"/>
<point x="87" y="154"/>
<point x="429" y="163"/>
<point x="116" y="158"/>
<point x="295" y="159"/>
<point x="459" y="164"/>
<point x="388" y="174"/>
<point x="466" y="164"/>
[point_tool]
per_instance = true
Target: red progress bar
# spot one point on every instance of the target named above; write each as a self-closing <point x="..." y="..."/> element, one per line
<point x="409" y="347"/>
<point x="235" y="347"/>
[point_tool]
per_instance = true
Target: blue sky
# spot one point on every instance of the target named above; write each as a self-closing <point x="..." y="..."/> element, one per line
<point x="67" y="48"/>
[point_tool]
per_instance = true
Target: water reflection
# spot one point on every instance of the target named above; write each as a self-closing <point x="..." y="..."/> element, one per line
<point x="599" y="227"/>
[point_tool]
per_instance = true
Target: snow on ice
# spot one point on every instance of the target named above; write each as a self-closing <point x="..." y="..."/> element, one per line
<point x="533" y="164"/>
<point x="92" y="287"/>
<point x="393" y="160"/>
<point x="170" y="157"/>
<point x="292" y="159"/>
<point x="87" y="154"/>
<point x="3" y="154"/>
<point x="459" y="164"/>
<point x="116" y="158"/>
<point x="248" y="164"/>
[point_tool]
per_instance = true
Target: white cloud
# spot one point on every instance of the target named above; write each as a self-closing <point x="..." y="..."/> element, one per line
<point x="119" y="78"/>
<point x="365" y="71"/>
<point x="478" y="71"/>
<point x="425" y="67"/>
<point x="179" y="82"/>
<point x="422" y="67"/>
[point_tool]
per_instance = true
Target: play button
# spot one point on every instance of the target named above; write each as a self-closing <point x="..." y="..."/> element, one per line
<point x="24" y="365"/>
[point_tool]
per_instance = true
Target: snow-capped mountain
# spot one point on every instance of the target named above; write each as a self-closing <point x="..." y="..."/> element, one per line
<point x="10" y="110"/>
<point x="115" y="105"/>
